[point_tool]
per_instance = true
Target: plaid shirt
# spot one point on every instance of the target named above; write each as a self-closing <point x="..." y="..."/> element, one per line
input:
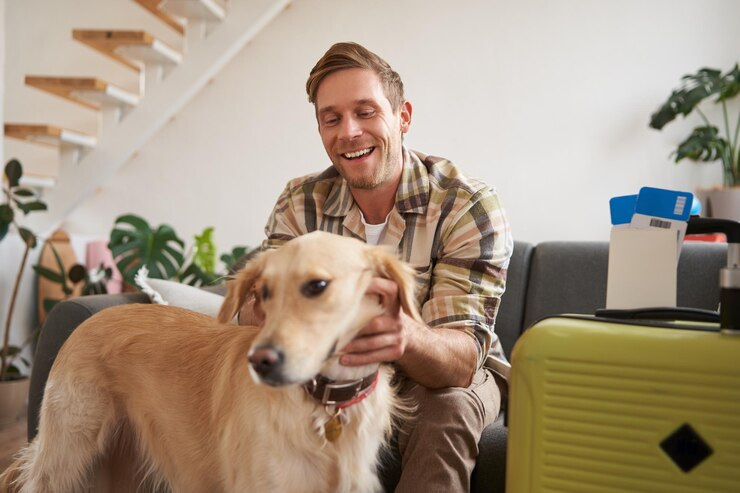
<point x="450" y="228"/>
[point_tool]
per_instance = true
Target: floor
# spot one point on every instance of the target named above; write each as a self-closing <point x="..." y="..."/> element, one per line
<point x="12" y="438"/>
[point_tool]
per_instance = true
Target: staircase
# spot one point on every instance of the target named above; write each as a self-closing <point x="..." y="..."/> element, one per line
<point x="212" y="34"/>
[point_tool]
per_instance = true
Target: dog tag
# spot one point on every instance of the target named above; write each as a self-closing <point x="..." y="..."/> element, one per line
<point x="333" y="428"/>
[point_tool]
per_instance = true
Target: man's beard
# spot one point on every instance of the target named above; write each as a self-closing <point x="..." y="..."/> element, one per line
<point x="388" y="164"/>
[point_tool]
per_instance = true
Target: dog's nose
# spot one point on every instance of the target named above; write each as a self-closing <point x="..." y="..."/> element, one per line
<point x="267" y="361"/>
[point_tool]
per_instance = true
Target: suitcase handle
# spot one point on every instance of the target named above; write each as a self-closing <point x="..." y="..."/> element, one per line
<point x="729" y="277"/>
<point x="659" y="313"/>
<point x="706" y="225"/>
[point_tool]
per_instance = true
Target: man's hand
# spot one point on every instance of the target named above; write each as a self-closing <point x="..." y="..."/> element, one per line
<point x="387" y="336"/>
<point x="435" y="358"/>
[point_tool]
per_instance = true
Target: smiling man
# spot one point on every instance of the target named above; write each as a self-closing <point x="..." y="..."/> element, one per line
<point x="451" y="228"/>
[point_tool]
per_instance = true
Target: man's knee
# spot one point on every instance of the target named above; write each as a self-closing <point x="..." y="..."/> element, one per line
<point x="473" y="407"/>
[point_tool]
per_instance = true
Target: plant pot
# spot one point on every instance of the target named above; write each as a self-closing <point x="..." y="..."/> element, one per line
<point x="13" y="398"/>
<point x="721" y="203"/>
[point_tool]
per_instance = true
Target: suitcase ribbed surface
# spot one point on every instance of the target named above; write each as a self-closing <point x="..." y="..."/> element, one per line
<point x="607" y="408"/>
<point x="603" y="425"/>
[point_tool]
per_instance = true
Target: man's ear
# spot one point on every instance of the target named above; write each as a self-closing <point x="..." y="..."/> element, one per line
<point x="405" y="114"/>
<point x="385" y="264"/>
<point x="241" y="286"/>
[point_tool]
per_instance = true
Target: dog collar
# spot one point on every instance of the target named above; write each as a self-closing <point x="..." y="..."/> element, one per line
<point x="340" y="393"/>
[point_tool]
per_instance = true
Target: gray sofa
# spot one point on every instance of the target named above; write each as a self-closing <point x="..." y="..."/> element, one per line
<point x="547" y="279"/>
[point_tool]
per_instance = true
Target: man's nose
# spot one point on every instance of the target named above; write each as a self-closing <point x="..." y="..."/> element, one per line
<point x="349" y="129"/>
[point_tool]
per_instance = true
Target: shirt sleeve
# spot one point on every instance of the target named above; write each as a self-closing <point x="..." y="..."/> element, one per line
<point x="282" y="224"/>
<point x="469" y="275"/>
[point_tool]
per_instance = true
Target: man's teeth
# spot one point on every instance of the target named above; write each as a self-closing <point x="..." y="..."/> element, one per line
<point x="356" y="154"/>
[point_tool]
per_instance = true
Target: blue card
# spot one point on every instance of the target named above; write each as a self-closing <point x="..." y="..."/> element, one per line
<point x="667" y="204"/>
<point x="622" y="208"/>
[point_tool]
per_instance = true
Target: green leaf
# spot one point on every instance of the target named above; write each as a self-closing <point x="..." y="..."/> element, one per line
<point x="13" y="171"/>
<point x="49" y="274"/>
<point x="6" y="213"/>
<point x="231" y="259"/>
<point x="49" y="304"/>
<point x="133" y="243"/>
<point x="205" y="251"/>
<point x="195" y="276"/>
<point x="28" y="237"/>
<point x="704" y="144"/>
<point x="664" y="115"/>
<point x="67" y="290"/>
<point x="31" y="206"/>
<point x="730" y="84"/>
<point x="23" y="192"/>
<point x="682" y="101"/>
<point x="13" y="350"/>
<point x="4" y="227"/>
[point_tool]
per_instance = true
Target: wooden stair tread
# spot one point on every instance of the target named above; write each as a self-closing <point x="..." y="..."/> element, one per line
<point x="48" y="135"/>
<point x="128" y="47"/>
<point x="207" y="10"/>
<point x="86" y="91"/>
<point x="153" y="7"/>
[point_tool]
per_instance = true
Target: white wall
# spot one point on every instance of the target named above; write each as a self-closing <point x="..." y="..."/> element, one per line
<point x="2" y="75"/>
<point x="547" y="100"/>
<point x="11" y="247"/>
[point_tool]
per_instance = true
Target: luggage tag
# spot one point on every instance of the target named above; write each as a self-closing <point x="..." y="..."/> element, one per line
<point x="663" y="209"/>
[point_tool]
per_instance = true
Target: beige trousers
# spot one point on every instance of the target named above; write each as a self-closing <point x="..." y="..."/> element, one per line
<point x="439" y="446"/>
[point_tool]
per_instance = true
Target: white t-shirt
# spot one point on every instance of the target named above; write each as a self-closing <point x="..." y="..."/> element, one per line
<point x="374" y="232"/>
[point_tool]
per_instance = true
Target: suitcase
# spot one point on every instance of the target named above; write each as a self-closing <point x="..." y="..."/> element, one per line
<point x="625" y="402"/>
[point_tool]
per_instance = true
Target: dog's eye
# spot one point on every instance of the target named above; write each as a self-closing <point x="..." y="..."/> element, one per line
<point x="264" y="293"/>
<point x="314" y="288"/>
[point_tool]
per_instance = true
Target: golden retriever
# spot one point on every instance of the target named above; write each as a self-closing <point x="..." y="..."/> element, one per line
<point x="151" y="397"/>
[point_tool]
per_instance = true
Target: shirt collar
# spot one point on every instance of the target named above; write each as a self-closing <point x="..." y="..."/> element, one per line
<point x="412" y="196"/>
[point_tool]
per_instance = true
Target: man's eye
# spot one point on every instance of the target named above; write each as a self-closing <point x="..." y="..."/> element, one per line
<point x="314" y="288"/>
<point x="265" y="292"/>
<point x="366" y="114"/>
<point x="330" y="122"/>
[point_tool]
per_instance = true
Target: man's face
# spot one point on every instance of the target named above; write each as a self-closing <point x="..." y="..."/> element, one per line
<point x="360" y="131"/>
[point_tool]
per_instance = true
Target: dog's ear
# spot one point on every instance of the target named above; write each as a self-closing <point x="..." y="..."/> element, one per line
<point x="241" y="286"/>
<point x="387" y="265"/>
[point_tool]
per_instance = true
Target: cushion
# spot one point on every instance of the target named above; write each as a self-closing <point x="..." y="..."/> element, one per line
<point x="173" y="293"/>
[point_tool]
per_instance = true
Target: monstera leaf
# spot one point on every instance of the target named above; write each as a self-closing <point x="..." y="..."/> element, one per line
<point x="704" y="144"/>
<point x="134" y="244"/>
<point x="694" y="89"/>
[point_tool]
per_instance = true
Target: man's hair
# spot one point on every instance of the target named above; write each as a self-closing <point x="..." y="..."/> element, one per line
<point x="342" y="56"/>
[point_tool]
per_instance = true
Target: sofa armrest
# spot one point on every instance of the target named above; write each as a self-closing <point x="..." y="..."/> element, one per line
<point x="64" y="318"/>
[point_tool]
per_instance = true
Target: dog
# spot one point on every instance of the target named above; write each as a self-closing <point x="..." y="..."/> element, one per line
<point x="158" y="398"/>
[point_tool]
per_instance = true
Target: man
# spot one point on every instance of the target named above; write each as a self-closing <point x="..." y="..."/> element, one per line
<point x="452" y="229"/>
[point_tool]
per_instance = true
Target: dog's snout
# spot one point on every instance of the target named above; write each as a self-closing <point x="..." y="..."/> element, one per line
<point x="267" y="362"/>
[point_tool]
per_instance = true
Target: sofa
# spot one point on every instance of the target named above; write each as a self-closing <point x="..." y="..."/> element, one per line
<point x="545" y="279"/>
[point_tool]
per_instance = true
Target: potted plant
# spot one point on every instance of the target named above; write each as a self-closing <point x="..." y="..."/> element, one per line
<point x="134" y="243"/>
<point x="707" y="142"/>
<point x="16" y="198"/>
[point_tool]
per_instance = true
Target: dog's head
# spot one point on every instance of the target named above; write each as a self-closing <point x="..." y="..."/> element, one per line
<point x="312" y="294"/>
